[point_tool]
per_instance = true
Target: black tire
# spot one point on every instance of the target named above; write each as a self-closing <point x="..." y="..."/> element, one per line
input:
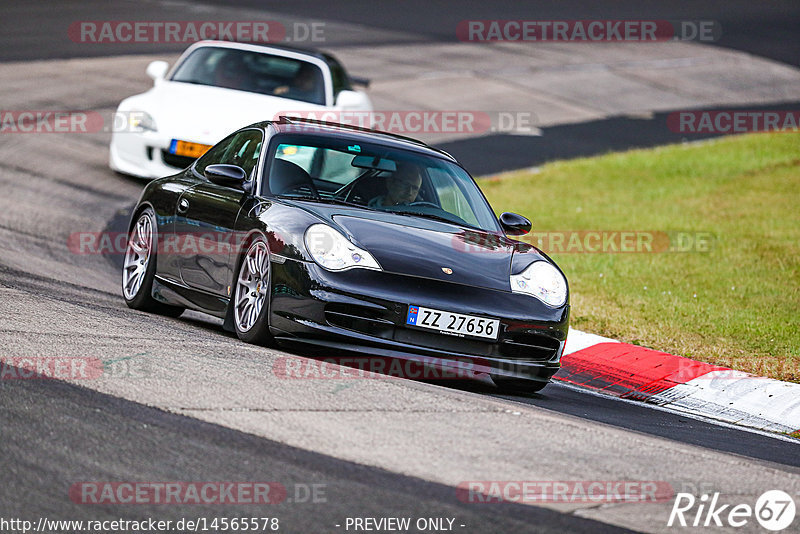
<point x="252" y="325"/>
<point x="138" y="294"/>
<point x="518" y="386"/>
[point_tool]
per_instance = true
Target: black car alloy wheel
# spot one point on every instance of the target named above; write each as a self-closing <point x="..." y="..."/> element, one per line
<point x="251" y="294"/>
<point x="139" y="267"/>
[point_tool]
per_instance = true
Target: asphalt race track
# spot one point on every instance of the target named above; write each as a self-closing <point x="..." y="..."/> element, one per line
<point x="135" y="442"/>
<point x="189" y="402"/>
<point x="768" y="29"/>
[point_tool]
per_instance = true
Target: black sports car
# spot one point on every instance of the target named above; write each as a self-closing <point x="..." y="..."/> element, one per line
<point x="321" y="235"/>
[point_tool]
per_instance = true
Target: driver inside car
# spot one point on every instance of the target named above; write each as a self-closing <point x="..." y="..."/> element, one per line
<point x="307" y="85"/>
<point x="402" y="188"/>
<point x="233" y="73"/>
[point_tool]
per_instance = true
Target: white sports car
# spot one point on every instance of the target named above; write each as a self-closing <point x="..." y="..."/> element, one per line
<point x="215" y="88"/>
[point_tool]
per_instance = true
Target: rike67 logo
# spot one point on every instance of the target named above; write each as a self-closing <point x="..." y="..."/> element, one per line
<point x="774" y="510"/>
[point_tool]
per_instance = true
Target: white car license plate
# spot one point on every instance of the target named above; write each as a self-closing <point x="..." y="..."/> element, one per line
<point x="452" y="323"/>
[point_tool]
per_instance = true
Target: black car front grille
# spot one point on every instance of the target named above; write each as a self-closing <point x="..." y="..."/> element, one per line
<point x="529" y="347"/>
<point x="360" y="319"/>
<point x="435" y="340"/>
<point x="381" y="323"/>
<point x="179" y="162"/>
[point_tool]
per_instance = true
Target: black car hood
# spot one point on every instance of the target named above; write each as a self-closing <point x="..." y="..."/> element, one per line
<point x="417" y="247"/>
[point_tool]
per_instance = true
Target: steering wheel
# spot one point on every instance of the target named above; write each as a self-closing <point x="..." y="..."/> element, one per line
<point x="346" y="192"/>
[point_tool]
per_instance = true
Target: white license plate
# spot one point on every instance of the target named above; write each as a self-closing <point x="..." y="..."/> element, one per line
<point x="455" y="324"/>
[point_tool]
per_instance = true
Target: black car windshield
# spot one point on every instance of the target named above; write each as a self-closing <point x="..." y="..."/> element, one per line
<point x="378" y="178"/>
<point x="255" y="72"/>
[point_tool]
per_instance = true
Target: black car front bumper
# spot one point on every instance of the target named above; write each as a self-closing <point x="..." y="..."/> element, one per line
<point x="365" y="311"/>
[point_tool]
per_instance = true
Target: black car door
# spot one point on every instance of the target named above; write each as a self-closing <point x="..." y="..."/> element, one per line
<point x="206" y="214"/>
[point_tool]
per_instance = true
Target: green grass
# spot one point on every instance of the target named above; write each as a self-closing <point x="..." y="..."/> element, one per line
<point x="737" y="305"/>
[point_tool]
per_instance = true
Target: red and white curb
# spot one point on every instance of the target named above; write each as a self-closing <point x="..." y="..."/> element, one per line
<point x="678" y="383"/>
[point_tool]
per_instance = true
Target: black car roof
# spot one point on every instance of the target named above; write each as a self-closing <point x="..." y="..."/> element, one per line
<point x="303" y="126"/>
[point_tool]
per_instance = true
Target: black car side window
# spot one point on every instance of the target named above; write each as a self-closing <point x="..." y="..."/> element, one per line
<point x="214" y="155"/>
<point x="245" y="151"/>
<point x="242" y="149"/>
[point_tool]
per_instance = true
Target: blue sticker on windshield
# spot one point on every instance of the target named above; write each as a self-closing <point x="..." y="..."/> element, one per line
<point x="354" y="148"/>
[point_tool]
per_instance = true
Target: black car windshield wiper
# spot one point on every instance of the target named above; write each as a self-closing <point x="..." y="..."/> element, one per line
<point x="323" y="200"/>
<point x="454" y="220"/>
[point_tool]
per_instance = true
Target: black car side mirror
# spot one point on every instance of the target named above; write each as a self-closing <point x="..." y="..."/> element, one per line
<point x="514" y="224"/>
<point x="226" y="175"/>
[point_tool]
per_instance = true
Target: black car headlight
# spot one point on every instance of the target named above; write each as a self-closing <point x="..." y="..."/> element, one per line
<point x="543" y="281"/>
<point x="334" y="252"/>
